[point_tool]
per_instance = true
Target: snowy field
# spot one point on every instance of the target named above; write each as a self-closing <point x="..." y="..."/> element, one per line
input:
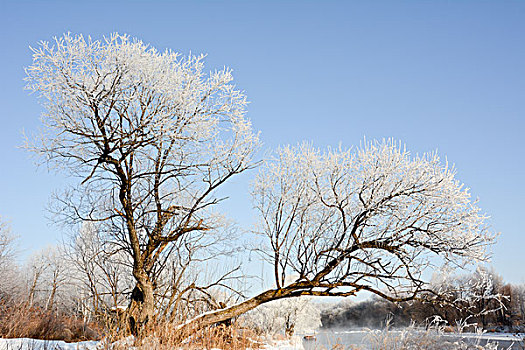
<point x="34" y="344"/>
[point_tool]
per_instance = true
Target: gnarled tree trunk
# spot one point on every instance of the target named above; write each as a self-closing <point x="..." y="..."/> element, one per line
<point x="141" y="308"/>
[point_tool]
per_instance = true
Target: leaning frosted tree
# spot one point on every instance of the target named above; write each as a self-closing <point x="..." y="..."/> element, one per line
<point x="149" y="136"/>
<point x="374" y="219"/>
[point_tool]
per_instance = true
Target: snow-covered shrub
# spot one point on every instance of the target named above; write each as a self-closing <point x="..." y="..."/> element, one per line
<point x="284" y="316"/>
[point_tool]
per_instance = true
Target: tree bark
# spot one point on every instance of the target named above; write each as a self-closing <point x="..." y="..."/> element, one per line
<point x="141" y="308"/>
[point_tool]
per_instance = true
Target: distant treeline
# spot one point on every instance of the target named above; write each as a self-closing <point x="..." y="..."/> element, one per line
<point x="505" y="305"/>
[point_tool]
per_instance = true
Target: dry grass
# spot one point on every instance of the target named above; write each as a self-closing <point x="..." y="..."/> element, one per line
<point x="22" y="321"/>
<point x="166" y="336"/>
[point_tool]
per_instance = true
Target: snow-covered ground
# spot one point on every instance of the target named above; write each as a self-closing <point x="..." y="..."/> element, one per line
<point x="35" y="344"/>
<point x="295" y="343"/>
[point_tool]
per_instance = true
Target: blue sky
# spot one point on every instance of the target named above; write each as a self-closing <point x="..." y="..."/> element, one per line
<point x="445" y="75"/>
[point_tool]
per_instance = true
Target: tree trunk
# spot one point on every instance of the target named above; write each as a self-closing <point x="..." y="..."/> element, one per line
<point x="32" y="291"/>
<point x="289" y="331"/>
<point x="51" y="299"/>
<point x="141" y="308"/>
<point x="228" y="313"/>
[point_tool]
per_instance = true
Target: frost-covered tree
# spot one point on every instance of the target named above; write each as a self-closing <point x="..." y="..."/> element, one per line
<point x="9" y="274"/>
<point x="478" y="296"/>
<point x="48" y="280"/>
<point x="149" y="135"/>
<point x="6" y="241"/>
<point x="150" y="138"/>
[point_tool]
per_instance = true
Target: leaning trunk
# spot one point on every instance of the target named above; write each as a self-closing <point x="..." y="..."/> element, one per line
<point x="222" y="315"/>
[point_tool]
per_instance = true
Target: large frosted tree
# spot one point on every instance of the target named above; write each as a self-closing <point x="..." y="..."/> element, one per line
<point x="150" y="137"/>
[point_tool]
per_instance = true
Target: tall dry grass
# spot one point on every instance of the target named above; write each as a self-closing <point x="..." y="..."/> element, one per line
<point x="19" y="320"/>
<point x="166" y="336"/>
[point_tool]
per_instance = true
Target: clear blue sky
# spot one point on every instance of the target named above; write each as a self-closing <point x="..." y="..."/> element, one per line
<point x="445" y="75"/>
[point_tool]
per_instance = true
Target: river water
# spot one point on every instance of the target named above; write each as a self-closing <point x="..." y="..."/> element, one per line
<point x="352" y="339"/>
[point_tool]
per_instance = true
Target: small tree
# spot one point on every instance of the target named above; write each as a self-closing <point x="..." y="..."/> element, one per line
<point x="6" y="243"/>
<point x="48" y="278"/>
<point x="9" y="274"/>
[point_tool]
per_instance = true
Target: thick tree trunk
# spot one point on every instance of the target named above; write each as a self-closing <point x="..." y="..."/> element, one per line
<point x="141" y="308"/>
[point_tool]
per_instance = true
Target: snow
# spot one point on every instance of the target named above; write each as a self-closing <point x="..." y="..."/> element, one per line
<point x="295" y="343"/>
<point x="36" y="344"/>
